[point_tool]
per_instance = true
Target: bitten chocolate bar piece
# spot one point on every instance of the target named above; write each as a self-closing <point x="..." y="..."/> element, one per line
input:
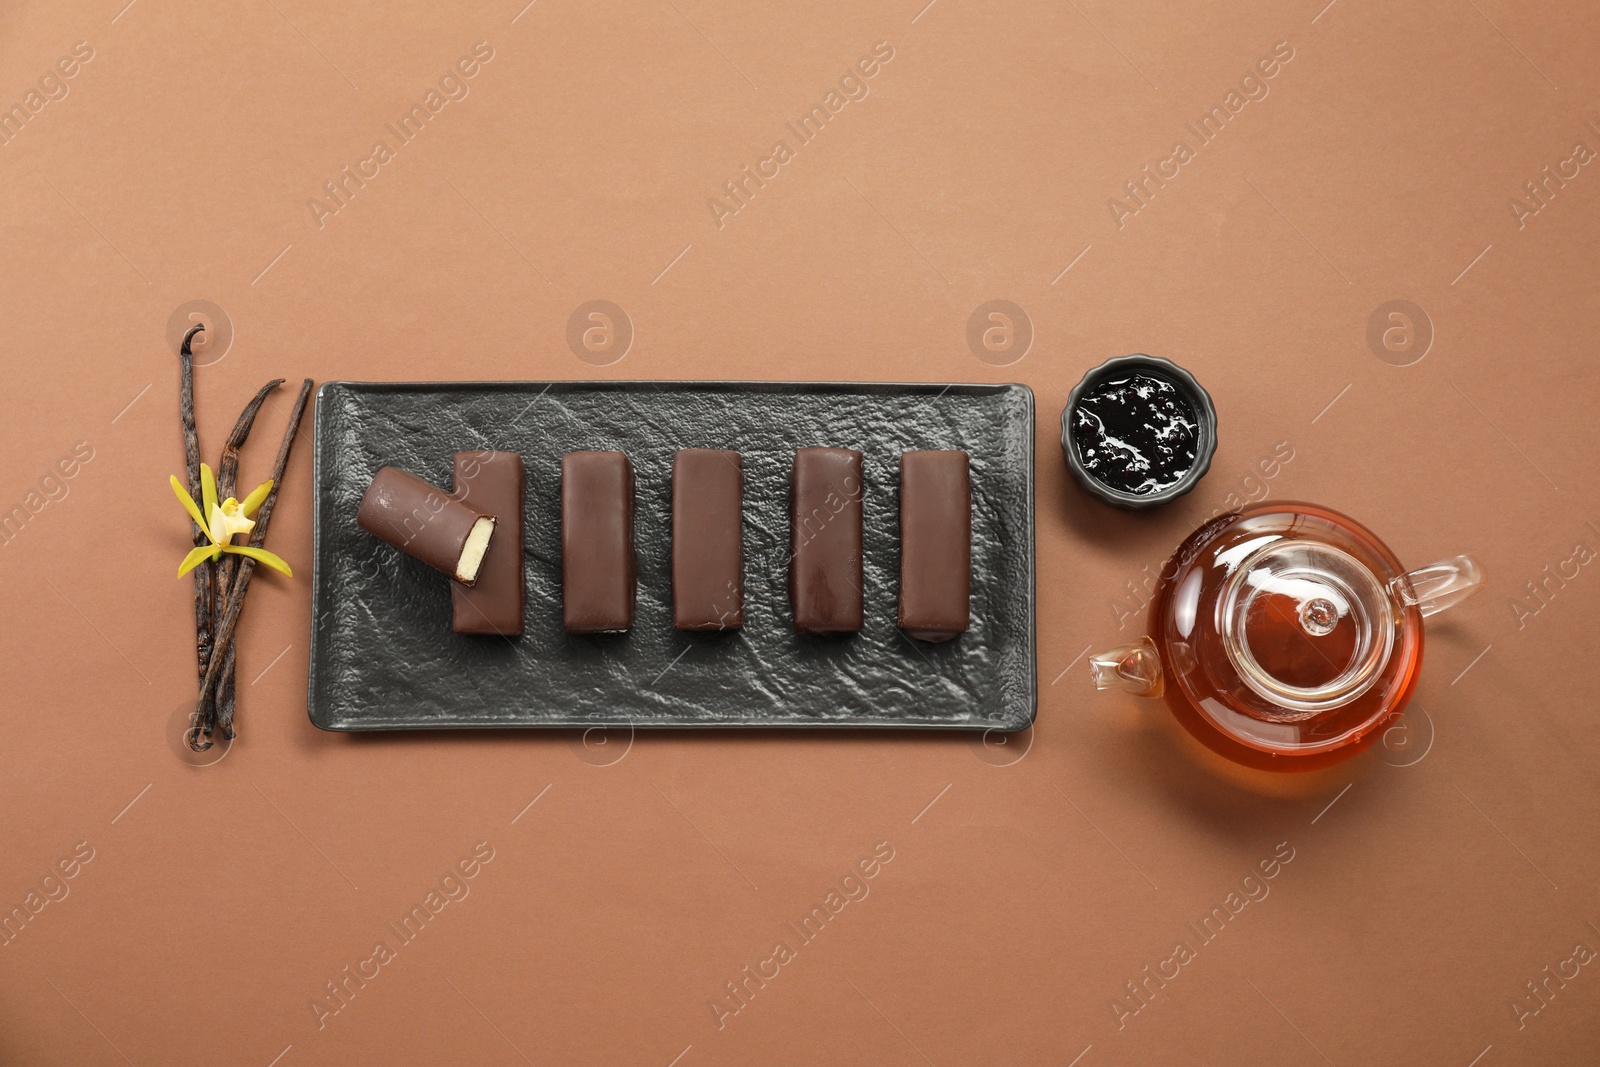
<point x="492" y="482"/>
<point x="597" y="566"/>
<point x="424" y="521"/>
<point x="707" y="540"/>
<point x="825" y="540"/>
<point x="935" y="544"/>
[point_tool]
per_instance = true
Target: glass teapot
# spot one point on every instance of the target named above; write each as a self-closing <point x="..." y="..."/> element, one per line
<point x="1286" y="636"/>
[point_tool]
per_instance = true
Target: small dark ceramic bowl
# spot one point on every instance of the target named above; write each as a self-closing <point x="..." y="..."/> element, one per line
<point x="1191" y="390"/>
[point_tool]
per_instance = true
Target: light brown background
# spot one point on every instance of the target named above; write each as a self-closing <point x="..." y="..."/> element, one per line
<point x="1047" y="871"/>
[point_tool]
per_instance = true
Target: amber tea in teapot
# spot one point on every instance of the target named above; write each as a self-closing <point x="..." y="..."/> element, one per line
<point x="1286" y="636"/>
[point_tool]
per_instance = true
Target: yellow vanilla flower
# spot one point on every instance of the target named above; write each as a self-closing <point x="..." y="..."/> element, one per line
<point x="228" y="517"/>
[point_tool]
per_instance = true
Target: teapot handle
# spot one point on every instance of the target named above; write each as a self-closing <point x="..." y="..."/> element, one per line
<point x="1440" y="585"/>
<point x="1135" y="667"/>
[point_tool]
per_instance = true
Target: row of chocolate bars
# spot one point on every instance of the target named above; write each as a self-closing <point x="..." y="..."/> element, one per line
<point x="474" y="535"/>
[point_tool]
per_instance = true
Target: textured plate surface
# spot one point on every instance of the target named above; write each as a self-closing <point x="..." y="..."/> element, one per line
<point x="383" y="656"/>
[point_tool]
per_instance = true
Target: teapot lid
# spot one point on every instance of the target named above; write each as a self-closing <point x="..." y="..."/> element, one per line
<point x="1306" y="625"/>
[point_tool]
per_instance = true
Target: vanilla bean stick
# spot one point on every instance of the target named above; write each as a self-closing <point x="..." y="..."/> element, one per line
<point x="227" y="479"/>
<point x="200" y="740"/>
<point x="204" y="579"/>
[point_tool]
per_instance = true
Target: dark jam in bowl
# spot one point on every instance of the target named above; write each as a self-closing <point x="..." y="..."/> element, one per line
<point x="1135" y="433"/>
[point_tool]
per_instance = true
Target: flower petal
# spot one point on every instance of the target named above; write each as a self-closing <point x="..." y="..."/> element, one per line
<point x="260" y="555"/>
<point x="233" y="518"/>
<point x="187" y="501"/>
<point x="197" y="556"/>
<point x="257" y="496"/>
<point x="218" y="530"/>
<point x="208" y="488"/>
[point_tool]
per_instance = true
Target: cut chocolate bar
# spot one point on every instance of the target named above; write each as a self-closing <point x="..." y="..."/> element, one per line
<point x="492" y="482"/>
<point x="424" y="521"/>
<point x="825" y="490"/>
<point x="707" y="540"/>
<point x="935" y="544"/>
<point x="597" y="565"/>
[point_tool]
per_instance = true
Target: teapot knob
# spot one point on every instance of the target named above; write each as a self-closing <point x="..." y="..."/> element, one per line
<point x="1135" y="667"/>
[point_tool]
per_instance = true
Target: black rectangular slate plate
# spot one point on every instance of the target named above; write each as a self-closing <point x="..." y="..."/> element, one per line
<point x="383" y="656"/>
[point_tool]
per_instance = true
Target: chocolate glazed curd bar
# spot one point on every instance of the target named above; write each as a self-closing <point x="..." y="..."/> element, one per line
<point x="597" y="563"/>
<point x="424" y="521"/>
<point x="825" y="540"/>
<point x="935" y="544"/>
<point x="492" y="482"/>
<point x="707" y="539"/>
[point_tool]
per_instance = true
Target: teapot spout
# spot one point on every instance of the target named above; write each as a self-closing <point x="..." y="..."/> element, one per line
<point x="1135" y="667"/>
